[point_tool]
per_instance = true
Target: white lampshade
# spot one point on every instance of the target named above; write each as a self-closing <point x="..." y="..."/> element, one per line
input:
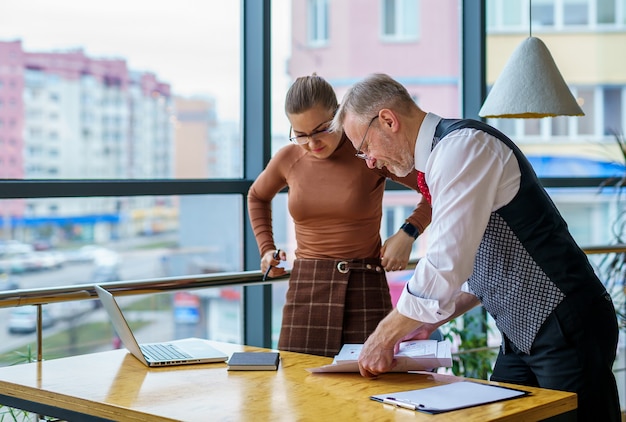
<point x="530" y="86"/>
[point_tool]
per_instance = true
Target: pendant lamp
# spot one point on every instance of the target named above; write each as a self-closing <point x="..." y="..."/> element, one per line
<point x="530" y="86"/>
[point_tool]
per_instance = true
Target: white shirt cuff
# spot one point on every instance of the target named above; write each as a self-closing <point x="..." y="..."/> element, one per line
<point x="420" y="309"/>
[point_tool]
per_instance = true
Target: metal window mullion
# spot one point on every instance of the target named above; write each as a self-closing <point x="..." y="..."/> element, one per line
<point x="256" y="100"/>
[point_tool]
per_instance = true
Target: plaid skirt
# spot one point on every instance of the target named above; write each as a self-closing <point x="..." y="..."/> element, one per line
<point x="330" y="303"/>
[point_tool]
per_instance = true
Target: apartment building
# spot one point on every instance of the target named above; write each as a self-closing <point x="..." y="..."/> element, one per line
<point x="418" y="43"/>
<point x="65" y="115"/>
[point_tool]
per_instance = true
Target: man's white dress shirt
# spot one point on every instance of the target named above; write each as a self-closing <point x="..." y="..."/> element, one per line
<point x="470" y="174"/>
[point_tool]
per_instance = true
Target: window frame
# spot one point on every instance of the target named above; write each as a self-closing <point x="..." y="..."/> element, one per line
<point x="401" y="32"/>
<point x="559" y="17"/>
<point x="318" y="22"/>
<point x="256" y="122"/>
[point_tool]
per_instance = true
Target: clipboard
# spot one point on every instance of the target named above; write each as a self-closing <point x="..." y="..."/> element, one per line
<point x="449" y="397"/>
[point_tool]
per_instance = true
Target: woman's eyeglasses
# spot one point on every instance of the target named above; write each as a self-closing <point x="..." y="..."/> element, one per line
<point x="305" y="139"/>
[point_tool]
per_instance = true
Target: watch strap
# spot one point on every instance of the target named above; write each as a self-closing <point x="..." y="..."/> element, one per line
<point x="410" y="229"/>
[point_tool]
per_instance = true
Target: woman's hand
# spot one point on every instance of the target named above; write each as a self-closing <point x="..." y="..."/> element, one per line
<point x="270" y="261"/>
<point x="395" y="253"/>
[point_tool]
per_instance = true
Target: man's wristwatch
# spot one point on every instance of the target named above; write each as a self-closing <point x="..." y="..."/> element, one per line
<point x="410" y="229"/>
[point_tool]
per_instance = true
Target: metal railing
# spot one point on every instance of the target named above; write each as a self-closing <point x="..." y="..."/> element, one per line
<point x="39" y="297"/>
<point x="87" y="291"/>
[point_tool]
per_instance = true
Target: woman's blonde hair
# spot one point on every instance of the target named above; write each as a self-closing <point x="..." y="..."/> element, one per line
<point x="308" y="92"/>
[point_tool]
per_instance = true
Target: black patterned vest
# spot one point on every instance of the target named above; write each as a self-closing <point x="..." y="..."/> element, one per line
<point x="527" y="262"/>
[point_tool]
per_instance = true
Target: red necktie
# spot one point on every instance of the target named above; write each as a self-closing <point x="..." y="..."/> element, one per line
<point x="421" y="183"/>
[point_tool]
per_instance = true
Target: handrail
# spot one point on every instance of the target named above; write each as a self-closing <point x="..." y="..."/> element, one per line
<point x="601" y="249"/>
<point x="136" y="287"/>
<point x="87" y="291"/>
<point x="40" y="297"/>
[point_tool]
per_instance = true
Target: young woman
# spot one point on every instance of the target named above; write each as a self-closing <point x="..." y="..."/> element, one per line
<point x="337" y="290"/>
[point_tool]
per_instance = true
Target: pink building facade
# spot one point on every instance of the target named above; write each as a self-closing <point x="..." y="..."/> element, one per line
<point x="11" y="110"/>
<point x="346" y="40"/>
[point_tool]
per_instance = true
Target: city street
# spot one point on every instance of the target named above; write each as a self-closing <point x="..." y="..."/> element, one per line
<point x="133" y="265"/>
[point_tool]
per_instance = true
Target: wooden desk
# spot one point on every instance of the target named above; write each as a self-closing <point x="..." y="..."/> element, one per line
<point x="114" y="385"/>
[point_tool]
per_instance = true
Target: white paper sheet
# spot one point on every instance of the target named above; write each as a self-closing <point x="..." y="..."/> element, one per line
<point x="414" y="358"/>
<point x="447" y="397"/>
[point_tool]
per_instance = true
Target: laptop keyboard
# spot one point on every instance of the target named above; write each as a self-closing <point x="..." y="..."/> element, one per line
<point x="158" y="352"/>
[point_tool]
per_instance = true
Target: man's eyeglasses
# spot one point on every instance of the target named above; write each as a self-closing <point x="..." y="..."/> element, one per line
<point x="359" y="152"/>
<point x="305" y="139"/>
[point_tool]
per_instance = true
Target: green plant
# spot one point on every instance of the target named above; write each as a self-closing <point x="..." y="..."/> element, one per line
<point x="611" y="267"/>
<point x="619" y="181"/>
<point x="474" y="359"/>
<point x="18" y="415"/>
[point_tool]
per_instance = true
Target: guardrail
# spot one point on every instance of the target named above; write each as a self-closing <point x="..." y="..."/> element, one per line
<point x="39" y="297"/>
<point x="126" y="288"/>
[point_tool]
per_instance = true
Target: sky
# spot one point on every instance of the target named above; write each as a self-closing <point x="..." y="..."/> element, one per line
<point x="194" y="45"/>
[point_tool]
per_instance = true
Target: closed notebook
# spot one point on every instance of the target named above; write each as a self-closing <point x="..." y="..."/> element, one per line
<point x="254" y="361"/>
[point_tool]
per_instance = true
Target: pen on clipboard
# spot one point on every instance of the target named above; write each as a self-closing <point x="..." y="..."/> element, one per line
<point x="275" y="256"/>
<point x="401" y="403"/>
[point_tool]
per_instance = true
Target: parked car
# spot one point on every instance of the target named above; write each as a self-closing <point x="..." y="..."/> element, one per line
<point x="51" y="260"/>
<point x="23" y="319"/>
<point x="96" y="254"/>
<point x="42" y="245"/>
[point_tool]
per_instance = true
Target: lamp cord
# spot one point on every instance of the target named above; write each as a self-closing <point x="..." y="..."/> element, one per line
<point x="530" y="18"/>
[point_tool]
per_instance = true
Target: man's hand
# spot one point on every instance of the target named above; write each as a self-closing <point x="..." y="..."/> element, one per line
<point x="377" y="355"/>
<point x="374" y="361"/>
<point x="422" y="332"/>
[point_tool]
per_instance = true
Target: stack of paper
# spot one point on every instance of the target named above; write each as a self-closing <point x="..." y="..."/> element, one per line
<point x="414" y="355"/>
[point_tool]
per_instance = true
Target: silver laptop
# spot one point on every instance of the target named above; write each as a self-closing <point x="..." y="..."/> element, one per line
<point x="177" y="352"/>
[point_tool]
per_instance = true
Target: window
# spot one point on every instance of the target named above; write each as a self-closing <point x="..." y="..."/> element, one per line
<point x="532" y="127"/>
<point x="511" y="15"/>
<point x="507" y="126"/>
<point x="542" y="13"/>
<point x="586" y="99"/>
<point x="318" y="21"/>
<point x="575" y="12"/>
<point x="612" y="110"/>
<point x="148" y="217"/>
<point x="605" y="11"/>
<point x="98" y="75"/>
<point x="606" y="102"/>
<point x="560" y="126"/>
<point x="506" y="14"/>
<point x="400" y="19"/>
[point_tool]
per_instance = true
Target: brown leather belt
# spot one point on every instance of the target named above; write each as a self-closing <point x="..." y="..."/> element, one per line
<point x="370" y="265"/>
